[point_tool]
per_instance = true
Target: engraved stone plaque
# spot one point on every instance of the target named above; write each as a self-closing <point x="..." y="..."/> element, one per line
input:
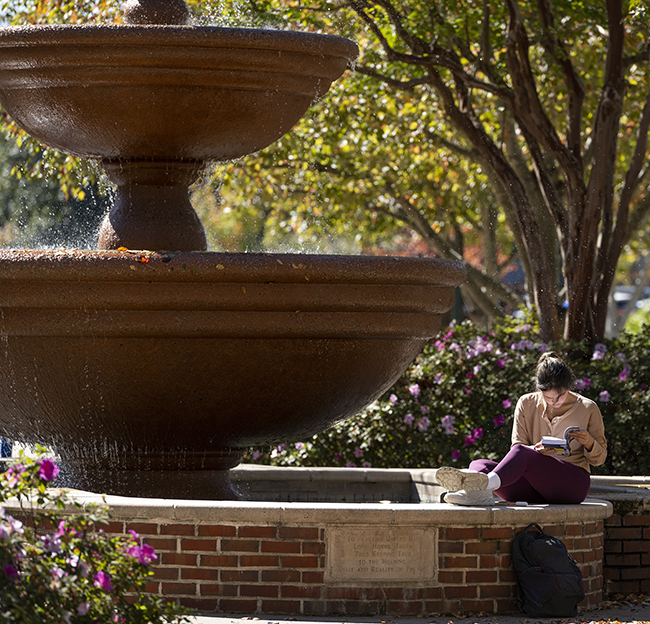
<point x="373" y="554"/>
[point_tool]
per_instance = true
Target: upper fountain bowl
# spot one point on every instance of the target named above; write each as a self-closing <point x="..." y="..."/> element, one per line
<point x="164" y="92"/>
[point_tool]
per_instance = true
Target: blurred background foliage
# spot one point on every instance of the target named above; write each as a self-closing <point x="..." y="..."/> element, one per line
<point x="456" y="403"/>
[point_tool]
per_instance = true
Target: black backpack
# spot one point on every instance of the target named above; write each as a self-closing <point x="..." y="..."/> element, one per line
<point x="549" y="582"/>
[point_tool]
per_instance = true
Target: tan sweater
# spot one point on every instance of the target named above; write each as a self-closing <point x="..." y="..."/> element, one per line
<point x="532" y="422"/>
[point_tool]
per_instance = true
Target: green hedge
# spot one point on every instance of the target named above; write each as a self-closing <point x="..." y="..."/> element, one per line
<point x="456" y="403"/>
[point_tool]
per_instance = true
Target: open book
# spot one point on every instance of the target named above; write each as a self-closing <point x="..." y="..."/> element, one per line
<point x="561" y="445"/>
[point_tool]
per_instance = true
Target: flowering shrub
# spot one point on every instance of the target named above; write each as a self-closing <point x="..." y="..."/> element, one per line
<point x="56" y="567"/>
<point x="456" y="403"/>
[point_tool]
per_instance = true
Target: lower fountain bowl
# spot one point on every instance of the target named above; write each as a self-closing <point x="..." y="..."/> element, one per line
<point x="166" y="365"/>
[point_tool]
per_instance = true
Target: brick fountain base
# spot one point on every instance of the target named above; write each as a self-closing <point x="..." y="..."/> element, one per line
<point x="379" y="544"/>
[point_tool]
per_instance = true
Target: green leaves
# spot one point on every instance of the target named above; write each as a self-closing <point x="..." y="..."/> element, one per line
<point x="456" y="403"/>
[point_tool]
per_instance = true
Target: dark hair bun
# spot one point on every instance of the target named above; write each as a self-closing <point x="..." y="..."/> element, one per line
<point x="552" y="373"/>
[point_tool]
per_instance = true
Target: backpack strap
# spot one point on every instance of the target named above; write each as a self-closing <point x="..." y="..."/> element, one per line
<point x="531" y="525"/>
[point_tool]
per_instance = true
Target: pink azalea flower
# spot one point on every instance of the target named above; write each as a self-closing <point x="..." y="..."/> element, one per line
<point x="358" y="452"/>
<point x="103" y="581"/>
<point x="625" y="372"/>
<point x="350" y="465"/>
<point x="414" y="390"/>
<point x="501" y="363"/>
<point x="423" y="423"/>
<point x="393" y="399"/>
<point x="448" y="424"/>
<point x="408" y="419"/>
<point x="367" y="464"/>
<point x="507" y="403"/>
<point x="48" y="470"/>
<point x="604" y="396"/>
<point x="455" y="455"/>
<point x="499" y="421"/>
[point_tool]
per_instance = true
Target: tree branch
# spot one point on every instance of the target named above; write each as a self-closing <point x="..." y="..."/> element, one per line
<point x="574" y="83"/>
<point x="485" y="285"/>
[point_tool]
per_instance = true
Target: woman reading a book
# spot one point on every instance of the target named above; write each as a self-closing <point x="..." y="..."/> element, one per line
<point x="533" y="472"/>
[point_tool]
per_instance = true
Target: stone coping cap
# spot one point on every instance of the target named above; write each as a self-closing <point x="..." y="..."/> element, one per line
<point x="430" y="514"/>
<point x="255" y="472"/>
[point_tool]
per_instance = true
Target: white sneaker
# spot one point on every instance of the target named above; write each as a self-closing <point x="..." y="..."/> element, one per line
<point x="454" y="479"/>
<point x="463" y="497"/>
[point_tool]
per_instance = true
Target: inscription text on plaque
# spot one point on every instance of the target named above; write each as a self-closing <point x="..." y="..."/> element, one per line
<point x="370" y="554"/>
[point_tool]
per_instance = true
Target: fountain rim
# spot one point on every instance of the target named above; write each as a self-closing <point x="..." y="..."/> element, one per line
<point x="27" y="36"/>
<point x="136" y="265"/>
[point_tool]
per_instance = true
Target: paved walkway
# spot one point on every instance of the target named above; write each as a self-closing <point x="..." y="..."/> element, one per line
<point x="627" y="611"/>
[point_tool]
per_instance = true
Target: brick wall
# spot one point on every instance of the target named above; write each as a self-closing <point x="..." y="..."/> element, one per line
<point x="246" y="568"/>
<point x="627" y="554"/>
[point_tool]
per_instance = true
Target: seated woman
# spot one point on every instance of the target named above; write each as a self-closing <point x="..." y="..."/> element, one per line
<point x="531" y="472"/>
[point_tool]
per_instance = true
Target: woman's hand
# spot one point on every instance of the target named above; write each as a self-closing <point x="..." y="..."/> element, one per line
<point x="584" y="437"/>
<point x="542" y="450"/>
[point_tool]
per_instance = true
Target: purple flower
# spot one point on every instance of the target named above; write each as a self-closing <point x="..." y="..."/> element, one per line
<point x="423" y="423"/>
<point x="542" y="347"/>
<point x="425" y="409"/>
<point x="358" y="452"/>
<point x="448" y="424"/>
<point x="604" y="396"/>
<point x="256" y="455"/>
<point x="393" y="398"/>
<point x="414" y="390"/>
<point x="14" y="473"/>
<point x="11" y="572"/>
<point x="103" y="581"/>
<point x="83" y="608"/>
<point x="478" y="433"/>
<point x="282" y="448"/>
<point x="501" y="363"/>
<point x="467" y="391"/>
<point x="599" y="351"/>
<point x="51" y="544"/>
<point x="583" y="384"/>
<point x="469" y="440"/>
<point x="455" y="455"/>
<point x="499" y="421"/>
<point x="643" y="387"/>
<point x="507" y="403"/>
<point x="367" y="464"/>
<point x="82" y="566"/>
<point x="58" y="572"/>
<point x="621" y="356"/>
<point x="408" y="419"/>
<point x="145" y="554"/>
<point x="48" y="470"/>
<point x="439" y="378"/>
<point x="350" y="465"/>
<point x="625" y="372"/>
<point x="299" y="445"/>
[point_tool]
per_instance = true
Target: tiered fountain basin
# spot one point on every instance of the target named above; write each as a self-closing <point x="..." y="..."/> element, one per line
<point x="156" y="104"/>
<point x="149" y="373"/>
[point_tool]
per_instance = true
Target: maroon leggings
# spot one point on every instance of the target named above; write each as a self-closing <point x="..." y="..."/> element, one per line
<point x="527" y="475"/>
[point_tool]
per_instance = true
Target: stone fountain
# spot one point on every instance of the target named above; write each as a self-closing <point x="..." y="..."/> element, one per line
<point x="150" y="364"/>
